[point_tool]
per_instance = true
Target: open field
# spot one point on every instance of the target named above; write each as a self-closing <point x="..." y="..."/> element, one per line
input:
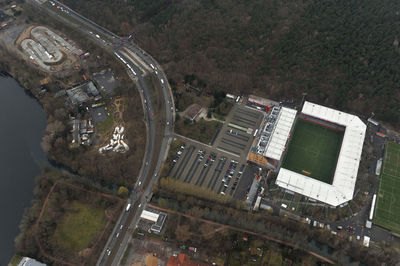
<point x="105" y="126"/>
<point x="387" y="212"/>
<point x="313" y="150"/>
<point x="79" y="227"/>
<point x="68" y="224"/>
<point x="203" y="131"/>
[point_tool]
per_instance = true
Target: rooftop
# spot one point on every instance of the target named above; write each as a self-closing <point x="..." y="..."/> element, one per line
<point x="274" y="132"/>
<point x="192" y="111"/>
<point x="82" y="92"/>
<point x="184" y="260"/>
<point x="26" y="261"/>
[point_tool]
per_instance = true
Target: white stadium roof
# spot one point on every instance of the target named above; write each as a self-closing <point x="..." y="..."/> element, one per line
<point x="342" y="188"/>
<point x="277" y="143"/>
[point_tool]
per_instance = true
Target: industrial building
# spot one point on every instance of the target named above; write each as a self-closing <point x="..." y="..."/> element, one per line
<point x="341" y="189"/>
<point x="156" y="218"/>
<point x="26" y="261"/>
<point x="83" y="92"/>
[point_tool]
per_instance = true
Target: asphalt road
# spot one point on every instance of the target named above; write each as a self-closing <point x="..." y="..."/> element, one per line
<point x="128" y="219"/>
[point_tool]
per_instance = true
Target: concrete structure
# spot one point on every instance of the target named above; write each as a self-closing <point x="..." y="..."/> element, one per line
<point x="280" y="134"/>
<point x="117" y="143"/>
<point x="262" y="102"/>
<point x="271" y="138"/>
<point x="158" y="220"/>
<point x="252" y="192"/>
<point x="342" y="188"/>
<point x="150" y="216"/>
<point x="83" y="93"/>
<point x="26" y="261"/>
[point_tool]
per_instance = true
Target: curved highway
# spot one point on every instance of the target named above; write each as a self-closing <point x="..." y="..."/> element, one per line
<point x="117" y="241"/>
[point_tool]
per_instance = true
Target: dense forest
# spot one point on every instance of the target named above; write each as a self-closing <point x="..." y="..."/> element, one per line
<point x="341" y="53"/>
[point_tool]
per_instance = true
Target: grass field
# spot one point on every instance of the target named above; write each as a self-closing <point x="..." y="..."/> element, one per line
<point x="80" y="226"/>
<point x="387" y="210"/>
<point x="106" y="125"/>
<point x="202" y="130"/>
<point x="313" y="151"/>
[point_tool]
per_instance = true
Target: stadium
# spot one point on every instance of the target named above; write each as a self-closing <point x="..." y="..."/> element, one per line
<point x="317" y="151"/>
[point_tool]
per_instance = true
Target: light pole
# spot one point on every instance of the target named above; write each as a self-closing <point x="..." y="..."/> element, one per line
<point x="302" y="100"/>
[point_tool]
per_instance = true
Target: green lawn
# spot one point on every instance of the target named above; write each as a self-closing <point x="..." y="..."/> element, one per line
<point x="202" y="130"/>
<point x="387" y="211"/>
<point x="81" y="225"/>
<point x="106" y="125"/>
<point x="315" y="149"/>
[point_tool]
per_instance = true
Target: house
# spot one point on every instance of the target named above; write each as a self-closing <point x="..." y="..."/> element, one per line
<point x="193" y="111"/>
<point x="184" y="260"/>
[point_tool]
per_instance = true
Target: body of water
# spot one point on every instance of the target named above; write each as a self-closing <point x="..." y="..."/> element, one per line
<point x="22" y="123"/>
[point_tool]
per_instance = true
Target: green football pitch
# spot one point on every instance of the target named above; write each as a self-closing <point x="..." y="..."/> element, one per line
<point x="313" y="150"/>
<point x="387" y="209"/>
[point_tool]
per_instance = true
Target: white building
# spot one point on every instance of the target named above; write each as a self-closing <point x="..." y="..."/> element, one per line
<point x="342" y="188"/>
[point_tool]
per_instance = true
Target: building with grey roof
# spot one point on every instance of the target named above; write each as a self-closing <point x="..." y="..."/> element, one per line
<point x="26" y="261"/>
<point x="83" y="93"/>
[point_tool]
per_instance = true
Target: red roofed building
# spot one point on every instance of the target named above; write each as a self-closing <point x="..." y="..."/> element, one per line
<point x="184" y="260"/>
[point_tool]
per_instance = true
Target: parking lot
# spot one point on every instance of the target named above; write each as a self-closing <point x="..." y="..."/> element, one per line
<point x="220" y="167"/>
<point x="236" y="135"/>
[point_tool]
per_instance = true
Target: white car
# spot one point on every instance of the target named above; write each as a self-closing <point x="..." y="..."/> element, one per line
<point x="140" y="205"/>
<point x="162" y="81"/>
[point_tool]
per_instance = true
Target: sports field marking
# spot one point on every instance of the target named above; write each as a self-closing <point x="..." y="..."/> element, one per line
<point x="315" y="149"/>
<point x="387" y="211"/>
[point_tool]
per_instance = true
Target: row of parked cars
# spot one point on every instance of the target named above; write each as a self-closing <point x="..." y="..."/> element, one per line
<point x="178" y="155"/>
<point x="210" y="160"/>
<point x="228" y="177"/>
<point x="201" y="154"/>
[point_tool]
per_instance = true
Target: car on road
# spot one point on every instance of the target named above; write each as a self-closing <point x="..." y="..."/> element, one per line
<point x="108" y="251"/>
